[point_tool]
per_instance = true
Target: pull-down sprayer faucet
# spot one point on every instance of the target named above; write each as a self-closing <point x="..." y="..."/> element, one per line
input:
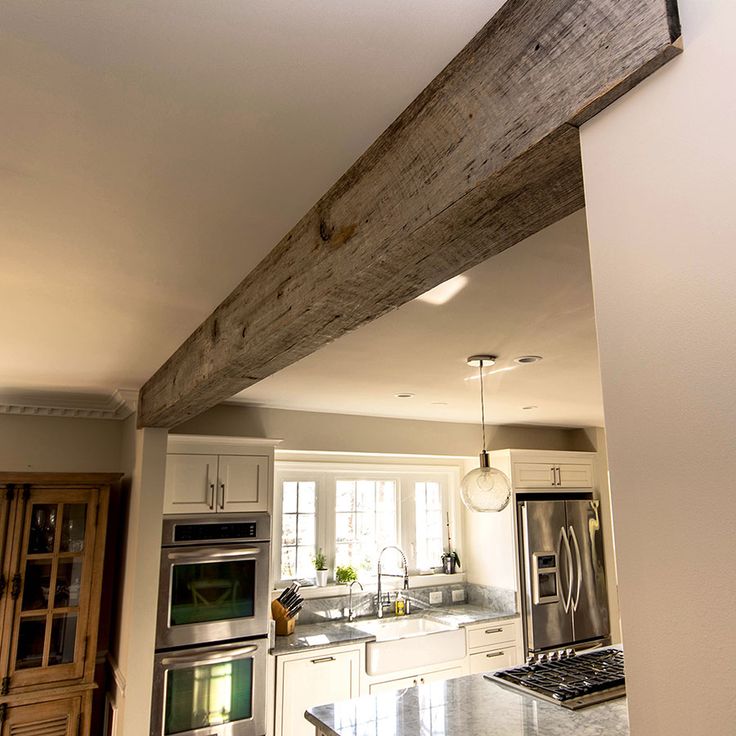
<point x="391" y="575"/>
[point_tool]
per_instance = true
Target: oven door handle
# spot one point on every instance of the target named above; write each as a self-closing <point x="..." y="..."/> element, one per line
<point x="216" y="554"/>
<point x="198" y="660"/>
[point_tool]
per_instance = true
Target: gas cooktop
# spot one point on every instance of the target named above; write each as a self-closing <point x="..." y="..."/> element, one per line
<point x="567" y="679"/>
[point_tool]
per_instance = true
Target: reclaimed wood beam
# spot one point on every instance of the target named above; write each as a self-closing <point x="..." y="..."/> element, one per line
<point x="487" y="155"/>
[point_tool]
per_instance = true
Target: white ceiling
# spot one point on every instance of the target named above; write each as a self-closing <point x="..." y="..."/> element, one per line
<point x="151" y="153"/>
<point x="535" y="298"/>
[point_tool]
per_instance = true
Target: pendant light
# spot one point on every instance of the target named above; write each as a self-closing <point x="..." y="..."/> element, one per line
<point x="485" y="489"/>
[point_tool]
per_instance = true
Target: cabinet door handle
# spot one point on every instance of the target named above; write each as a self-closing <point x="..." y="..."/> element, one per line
<point x="493" y="631"/>
<point x="211" y="504"/>
<point x="494" y="654"/>
<point x="222" y="496"/>
<point x="554" y="475"/>
<point x="320" y="660"/>
<point x="559" y="476"/>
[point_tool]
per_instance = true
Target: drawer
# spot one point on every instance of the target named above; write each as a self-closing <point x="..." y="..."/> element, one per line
<point x="492" y="634"/>
<point x="498" y="659"/>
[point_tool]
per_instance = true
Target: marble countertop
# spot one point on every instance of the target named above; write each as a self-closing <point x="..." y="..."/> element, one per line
<point x="336" y="633"/>
<point x="466" y="706"/>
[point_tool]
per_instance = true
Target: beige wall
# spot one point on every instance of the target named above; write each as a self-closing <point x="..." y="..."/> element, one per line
<point x="660" y="184"/>
<point x="59" y="444"/>
<point x="349" y="433"/>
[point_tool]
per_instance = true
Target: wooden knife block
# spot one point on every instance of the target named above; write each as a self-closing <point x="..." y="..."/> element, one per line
<point x="284" y="626"/>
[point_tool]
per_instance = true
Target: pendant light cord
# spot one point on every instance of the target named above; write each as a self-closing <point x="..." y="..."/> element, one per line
<point x="482" y="405"/>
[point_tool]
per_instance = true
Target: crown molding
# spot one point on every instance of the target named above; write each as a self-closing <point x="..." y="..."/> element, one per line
<point x="118" y="405"/>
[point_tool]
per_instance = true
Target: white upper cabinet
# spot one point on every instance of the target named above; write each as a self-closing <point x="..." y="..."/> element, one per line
<point x="243" y="482"/>
<point x="218" y="475"/>
<point x="191" y="482"/>
<point x="549" y="470"/>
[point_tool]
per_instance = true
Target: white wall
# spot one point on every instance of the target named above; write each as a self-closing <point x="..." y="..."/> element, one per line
<point x="660" y="178"/>
<point x="489" y="542"/>
<point x="144" y="460"/>
<point x="59" y="444"/>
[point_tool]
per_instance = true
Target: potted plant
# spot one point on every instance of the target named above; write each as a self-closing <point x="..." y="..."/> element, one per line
<point x="320" y="567"/>
<point x="345" y="574"/>
<point x="450" y="558"/>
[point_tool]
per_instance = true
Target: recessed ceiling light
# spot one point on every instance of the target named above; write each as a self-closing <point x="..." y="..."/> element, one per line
<point x="481" y="360"/>
<point x="524" y="359"/>
<point x="439" y="403"/>
<point x="404" y="396"/>
<point x="526" y="408"/>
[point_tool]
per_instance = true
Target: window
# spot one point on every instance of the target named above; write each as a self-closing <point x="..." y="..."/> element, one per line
<point x="365" y="521"/>
<point x="353" y="511"/>
<point x="429" y="532"/>
<point x="298" y="529"/>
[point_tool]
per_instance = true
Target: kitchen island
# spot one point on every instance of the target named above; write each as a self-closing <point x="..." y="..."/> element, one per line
<point x="466" y="706"/>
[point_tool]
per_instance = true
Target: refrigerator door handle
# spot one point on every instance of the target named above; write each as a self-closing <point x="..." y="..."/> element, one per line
<point x="574" y="538"/>
<point x="564" y="541"/>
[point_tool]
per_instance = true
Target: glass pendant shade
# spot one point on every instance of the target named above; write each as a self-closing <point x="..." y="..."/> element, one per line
<point x="485" y="489"/>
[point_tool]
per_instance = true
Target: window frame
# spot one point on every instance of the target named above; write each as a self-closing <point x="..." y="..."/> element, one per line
<point x="325" y="475"/>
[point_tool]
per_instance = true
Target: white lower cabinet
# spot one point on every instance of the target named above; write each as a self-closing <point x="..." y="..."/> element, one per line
<point x="305" y="680"/>
<point x="495" y="660"/>
<point x="413" y="680"/>
<point x="310" y="678"/>
<point x="493" y="646"/>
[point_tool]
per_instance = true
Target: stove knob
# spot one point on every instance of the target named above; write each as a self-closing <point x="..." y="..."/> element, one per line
<point x="569" y="653"/>
<point x="540" y="658"/>
<point x="530" y="660"/>
<point x="561" y="654"/>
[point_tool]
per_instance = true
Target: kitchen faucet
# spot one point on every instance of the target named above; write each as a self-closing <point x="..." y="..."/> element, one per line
<point x="351" y="613"/>
<point x="391" y="575"/>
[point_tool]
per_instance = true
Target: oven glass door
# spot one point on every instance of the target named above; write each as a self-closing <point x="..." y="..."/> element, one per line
<point x="218" y="690"/>
<point x="212" y="594"/>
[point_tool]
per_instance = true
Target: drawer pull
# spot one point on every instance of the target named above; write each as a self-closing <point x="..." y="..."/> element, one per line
<point x="494" y="654"/>
<point x="319" y="660"/>
<point x="493" y="631"/>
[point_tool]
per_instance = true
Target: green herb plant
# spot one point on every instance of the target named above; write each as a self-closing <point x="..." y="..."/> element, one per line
<point x="345" y="574"/>
<point x="320" y="561"/>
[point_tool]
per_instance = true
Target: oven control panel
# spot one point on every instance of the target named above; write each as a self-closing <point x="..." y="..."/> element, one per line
<point x="220" y="532"/>
<point x="185" y="530"/>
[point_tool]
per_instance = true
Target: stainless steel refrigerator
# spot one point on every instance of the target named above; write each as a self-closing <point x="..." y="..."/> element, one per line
<point x="565" y="600"/>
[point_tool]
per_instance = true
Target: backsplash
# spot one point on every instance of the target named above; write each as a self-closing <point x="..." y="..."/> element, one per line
<point x="335" y="608"/>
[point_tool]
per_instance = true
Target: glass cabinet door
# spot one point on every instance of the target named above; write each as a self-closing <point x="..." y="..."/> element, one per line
<point x="51" y="585"/>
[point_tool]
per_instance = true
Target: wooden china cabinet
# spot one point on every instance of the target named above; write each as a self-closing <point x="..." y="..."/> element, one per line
<point x="52" y="545"/>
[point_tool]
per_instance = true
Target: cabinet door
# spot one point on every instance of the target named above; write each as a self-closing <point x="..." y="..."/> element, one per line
<point x="243" y="483"/>
<point x="575" y="475"/>
<point x="190" y="484"/>
<point x="54" y="551"/>
<point x="497" y="659"/>
<point x="315" y="681"/>
<point x="400" y="683"/>
<point x="534" y="475"/>
<point x="54" y="718"/>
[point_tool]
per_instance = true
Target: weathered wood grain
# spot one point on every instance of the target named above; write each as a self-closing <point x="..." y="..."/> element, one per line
<point x="486" y="155"/>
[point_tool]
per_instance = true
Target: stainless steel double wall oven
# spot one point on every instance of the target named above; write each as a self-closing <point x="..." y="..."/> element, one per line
<point x="212" y="626"/>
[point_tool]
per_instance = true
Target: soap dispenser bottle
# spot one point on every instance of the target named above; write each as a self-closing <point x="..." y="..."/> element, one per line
<point x="400" y="605"/>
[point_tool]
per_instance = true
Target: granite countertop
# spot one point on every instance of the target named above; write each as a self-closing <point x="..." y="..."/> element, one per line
<point x="336" y="633"/>
<point x="466" y="706"/>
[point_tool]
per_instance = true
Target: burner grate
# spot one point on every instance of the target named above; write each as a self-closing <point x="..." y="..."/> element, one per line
<point x="574" y="682"/>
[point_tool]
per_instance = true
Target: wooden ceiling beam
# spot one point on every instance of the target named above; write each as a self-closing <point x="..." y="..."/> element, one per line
<point x="487" y="155"/>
